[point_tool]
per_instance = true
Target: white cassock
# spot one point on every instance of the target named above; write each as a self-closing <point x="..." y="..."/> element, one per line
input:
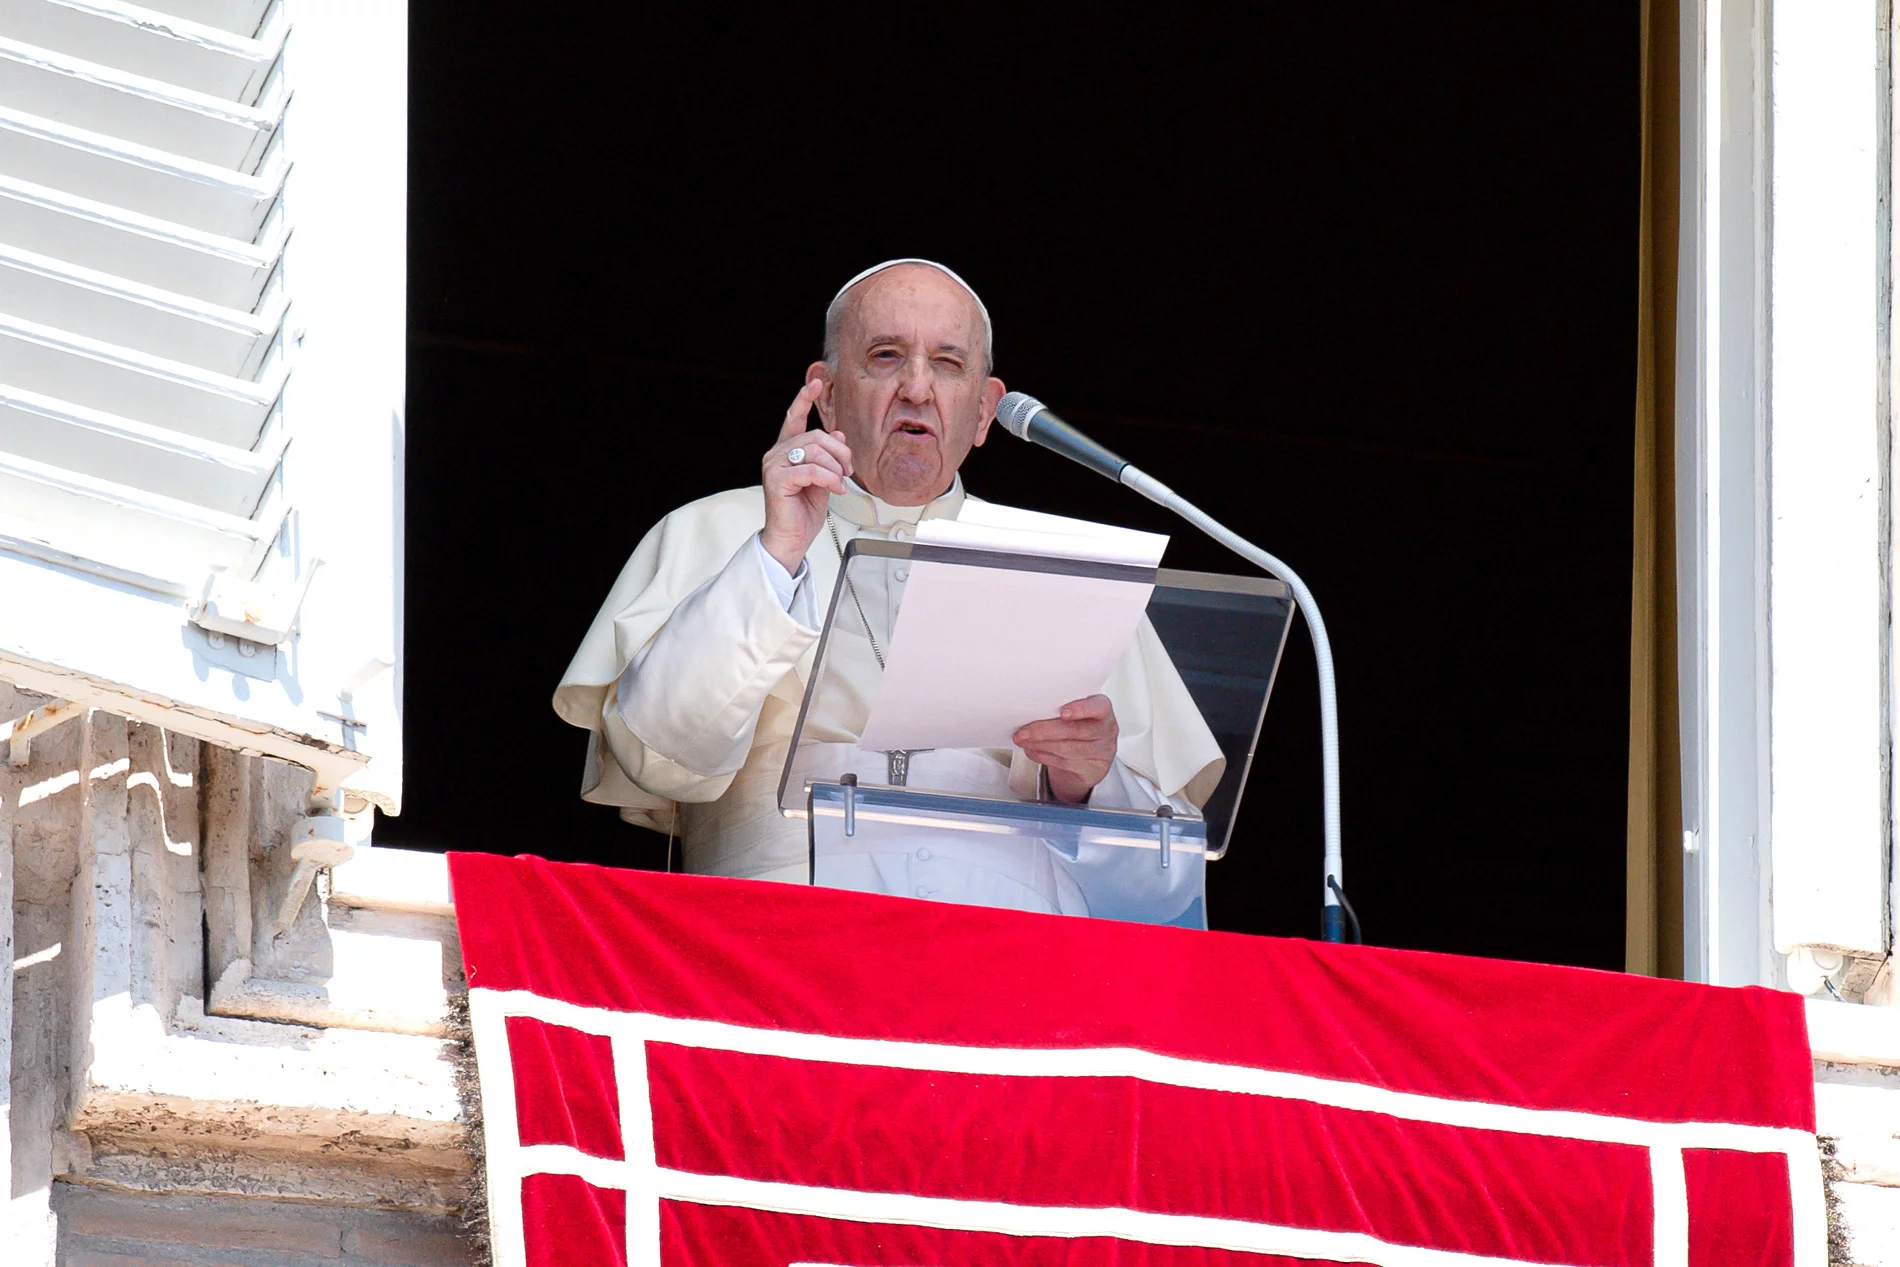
<point x="690" y="679"/>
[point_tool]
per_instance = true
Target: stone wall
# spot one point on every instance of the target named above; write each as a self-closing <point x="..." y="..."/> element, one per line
<point x="178" y="1062"/>
<point x="116" y="1229"/>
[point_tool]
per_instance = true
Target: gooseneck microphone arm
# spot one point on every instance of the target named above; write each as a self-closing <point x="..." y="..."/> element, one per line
<point x="1029" y="419"/>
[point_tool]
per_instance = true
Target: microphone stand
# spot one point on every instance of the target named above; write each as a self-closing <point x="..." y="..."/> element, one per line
<point x="1027" y="418"/>
<point x="1336" y="909"/>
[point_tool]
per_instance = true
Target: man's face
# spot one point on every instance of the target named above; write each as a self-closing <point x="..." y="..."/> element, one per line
<point x="909" y="393"/>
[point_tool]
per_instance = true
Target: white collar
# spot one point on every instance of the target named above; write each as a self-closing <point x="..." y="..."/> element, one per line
<point x="857" y="506"/>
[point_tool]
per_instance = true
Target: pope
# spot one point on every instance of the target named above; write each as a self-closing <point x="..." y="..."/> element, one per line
<point x="690" y="678"/>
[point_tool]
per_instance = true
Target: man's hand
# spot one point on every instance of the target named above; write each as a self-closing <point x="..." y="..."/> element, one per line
<point x="1075" y="747"/>
<point x="797" y="495"/>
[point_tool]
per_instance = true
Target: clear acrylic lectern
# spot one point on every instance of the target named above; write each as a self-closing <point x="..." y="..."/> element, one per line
<point x="969" y="824"/>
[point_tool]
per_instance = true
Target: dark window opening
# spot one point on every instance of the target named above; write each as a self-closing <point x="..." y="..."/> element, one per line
<point x="1361" y="282"/>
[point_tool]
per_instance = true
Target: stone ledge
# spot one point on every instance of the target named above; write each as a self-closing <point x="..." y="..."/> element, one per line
<point x="387" y="879"/>
<point x="101" y="1226"/>
<point x="217" y="1060"/>
<point x="252" y="1108"/>
<point x="1853" y="1033"/>
<point x="357" y="1178"/>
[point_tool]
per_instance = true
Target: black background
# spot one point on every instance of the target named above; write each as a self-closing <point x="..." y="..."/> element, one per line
<point x="1359" y="279"/>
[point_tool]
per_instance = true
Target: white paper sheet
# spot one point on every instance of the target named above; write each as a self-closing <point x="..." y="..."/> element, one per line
<point x="983" y="526"/>
<point x="979" y="651"/>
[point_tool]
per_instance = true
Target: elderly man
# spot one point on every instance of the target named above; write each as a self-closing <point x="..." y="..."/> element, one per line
<point x="691" y="676"/>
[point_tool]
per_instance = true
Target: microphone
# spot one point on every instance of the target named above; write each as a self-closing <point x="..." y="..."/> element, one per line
<point x="1027" y="418"/>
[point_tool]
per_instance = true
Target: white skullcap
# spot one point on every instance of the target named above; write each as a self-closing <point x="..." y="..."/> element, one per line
<point x="946" y="271"/>
<point x="989" y="335"/>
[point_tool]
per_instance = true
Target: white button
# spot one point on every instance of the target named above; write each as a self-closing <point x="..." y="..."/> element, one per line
<point x="901" y="532"/>
<point x="923" y="855"/>
<point x="901" y="575"/>
<point x="924" y="890"/>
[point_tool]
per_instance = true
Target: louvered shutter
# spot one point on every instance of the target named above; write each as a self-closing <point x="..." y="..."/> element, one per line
<point x="201" y="339"/>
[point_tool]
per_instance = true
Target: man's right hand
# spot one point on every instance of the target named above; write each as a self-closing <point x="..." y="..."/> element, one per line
<point x="798" y="495"/>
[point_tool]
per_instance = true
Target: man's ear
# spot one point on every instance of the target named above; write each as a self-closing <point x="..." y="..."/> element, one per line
<point x="992" y="397"/>
<point x="820" y="372"/>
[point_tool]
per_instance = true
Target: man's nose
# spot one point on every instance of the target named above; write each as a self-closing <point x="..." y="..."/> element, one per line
<point x="915" y="384"/>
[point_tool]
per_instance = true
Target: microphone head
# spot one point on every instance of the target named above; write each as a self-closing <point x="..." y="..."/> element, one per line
<point x="1014" y="412"/>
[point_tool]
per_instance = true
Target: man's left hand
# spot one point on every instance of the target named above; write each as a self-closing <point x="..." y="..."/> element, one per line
<point x="1076" y="746"/>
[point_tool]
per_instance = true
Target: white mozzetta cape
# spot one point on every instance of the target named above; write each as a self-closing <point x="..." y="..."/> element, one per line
<point x="730" y="721"/>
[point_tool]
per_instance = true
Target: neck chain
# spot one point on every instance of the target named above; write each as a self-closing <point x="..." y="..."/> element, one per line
<point x="897" y="762"/>
<point x="876" y="651"/>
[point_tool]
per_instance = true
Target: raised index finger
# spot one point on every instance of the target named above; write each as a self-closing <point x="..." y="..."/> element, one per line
<point x="800" y="411"/>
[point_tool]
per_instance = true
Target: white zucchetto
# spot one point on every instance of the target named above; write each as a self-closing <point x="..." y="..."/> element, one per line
<point x="989" y="335"/>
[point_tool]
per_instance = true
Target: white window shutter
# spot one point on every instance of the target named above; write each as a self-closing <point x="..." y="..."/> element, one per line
<point x="1825" y="621"/>
<point x="202" y="208"/>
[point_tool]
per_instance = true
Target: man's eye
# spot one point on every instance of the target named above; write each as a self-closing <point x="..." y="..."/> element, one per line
<point x="950" y="363"/>
<point x="885" y="355"/>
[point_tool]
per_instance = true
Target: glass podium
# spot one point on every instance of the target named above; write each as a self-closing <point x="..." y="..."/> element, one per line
<point x="976" y="825"/>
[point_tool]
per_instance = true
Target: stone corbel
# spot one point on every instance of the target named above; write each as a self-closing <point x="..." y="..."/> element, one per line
<point x="376" y="948"/>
